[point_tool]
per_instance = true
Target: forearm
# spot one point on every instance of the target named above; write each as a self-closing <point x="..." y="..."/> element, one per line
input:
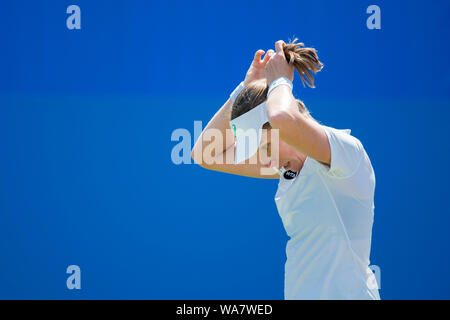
<point x="280" y="102"/>
<point x="220" y="123"/>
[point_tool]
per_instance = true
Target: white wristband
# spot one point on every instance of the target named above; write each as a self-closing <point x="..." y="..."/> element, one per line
<point x="236" y="91"/>
<point x="278" y="82"/>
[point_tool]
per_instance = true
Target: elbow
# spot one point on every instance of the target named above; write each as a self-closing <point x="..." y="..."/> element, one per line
<point x="197" y="157"/>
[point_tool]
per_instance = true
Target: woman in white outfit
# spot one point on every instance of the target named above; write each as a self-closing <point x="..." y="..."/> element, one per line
<point x="325" y="194"/>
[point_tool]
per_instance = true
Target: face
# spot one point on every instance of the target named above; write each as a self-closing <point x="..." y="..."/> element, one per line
<point x="287" y="156"/>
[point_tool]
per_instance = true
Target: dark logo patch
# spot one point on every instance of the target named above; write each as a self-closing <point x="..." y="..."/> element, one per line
<point x="290" y="175"/>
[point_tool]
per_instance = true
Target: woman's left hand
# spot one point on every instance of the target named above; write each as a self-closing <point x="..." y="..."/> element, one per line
<point x="256" y="70"/>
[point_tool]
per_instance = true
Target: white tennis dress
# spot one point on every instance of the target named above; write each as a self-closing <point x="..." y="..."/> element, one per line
<point x="328" y="214"/>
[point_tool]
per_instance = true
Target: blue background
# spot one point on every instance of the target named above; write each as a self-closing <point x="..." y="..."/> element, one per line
<point x="86" y="118"/>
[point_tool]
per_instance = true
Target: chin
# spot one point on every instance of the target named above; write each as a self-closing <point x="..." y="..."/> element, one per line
<point x="287" y="165"/>
<point x="292" y="165"/>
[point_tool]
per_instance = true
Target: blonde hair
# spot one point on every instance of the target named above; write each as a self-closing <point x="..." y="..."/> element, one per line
<point x="304" y="60"/>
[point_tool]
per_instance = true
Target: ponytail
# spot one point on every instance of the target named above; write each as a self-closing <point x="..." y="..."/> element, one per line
<point x="304" y="60"/>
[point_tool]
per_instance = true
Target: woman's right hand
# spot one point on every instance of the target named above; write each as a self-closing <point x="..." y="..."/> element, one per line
<point x="256" y="70"/>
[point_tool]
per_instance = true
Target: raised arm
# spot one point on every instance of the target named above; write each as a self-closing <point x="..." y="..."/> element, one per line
<point x="304" y="134"/>
<point x="223" y="160"/>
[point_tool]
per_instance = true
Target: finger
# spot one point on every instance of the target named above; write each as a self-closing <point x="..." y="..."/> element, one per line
<point x="268" y="55"/>
<point x="279" y="46"/>
<point x="258" y="55"/>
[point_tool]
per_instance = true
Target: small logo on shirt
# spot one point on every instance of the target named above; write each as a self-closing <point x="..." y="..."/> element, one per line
<point x="290" y="175"/>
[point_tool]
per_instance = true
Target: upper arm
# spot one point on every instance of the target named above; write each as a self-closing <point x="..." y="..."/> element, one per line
<point x="305" y="135"/>
<point x="337" y="149"/>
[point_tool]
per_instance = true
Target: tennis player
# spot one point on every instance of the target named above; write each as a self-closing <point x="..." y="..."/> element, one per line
<point x="325" y="194"/>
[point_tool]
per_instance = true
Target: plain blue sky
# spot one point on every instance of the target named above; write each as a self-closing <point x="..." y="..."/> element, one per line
<point x="86" y="118"/>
